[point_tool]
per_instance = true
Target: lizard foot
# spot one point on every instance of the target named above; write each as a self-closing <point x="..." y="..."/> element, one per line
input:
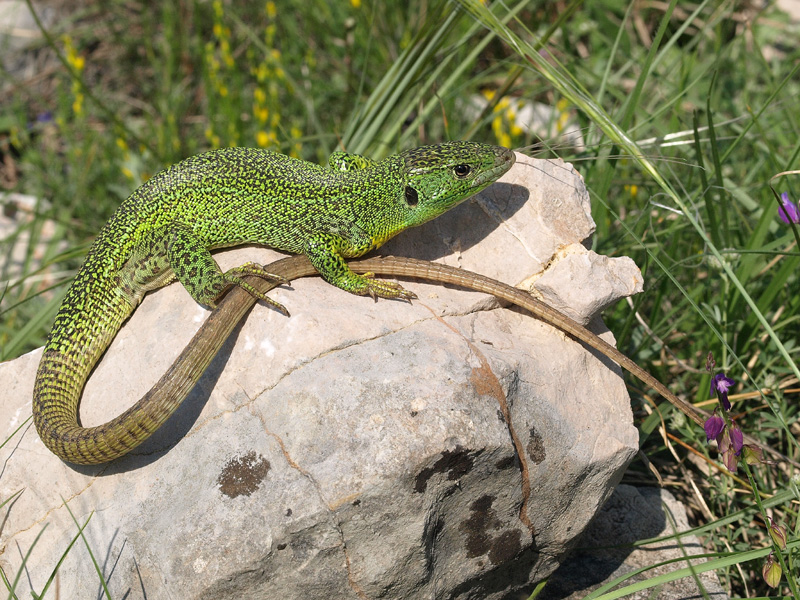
<point x="251" y="268"/>
<point x="234" y="277"/>
<point x="380" y="288"/>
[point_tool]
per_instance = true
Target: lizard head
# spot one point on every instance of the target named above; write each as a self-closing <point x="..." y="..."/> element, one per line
<point x="441" y="176"/>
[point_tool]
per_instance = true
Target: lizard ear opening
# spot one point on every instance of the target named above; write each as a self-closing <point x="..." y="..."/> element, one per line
<point x="412" y="198"/>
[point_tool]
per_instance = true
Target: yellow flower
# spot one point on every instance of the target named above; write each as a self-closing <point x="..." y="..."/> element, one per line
<point x="297" y="146"/>
<point x="355" y="3"/>
<point x="632" y="189"/>
<point x="269" y="33"/>
<point x="76" y="61"/>
<point x="563" y="114"/>
<point x="271" y="10"/>
<point x="212" y="138"/>
<point x="261" y="113"/>
<point x="502" y="105"/>
<point x="77" y="105"/>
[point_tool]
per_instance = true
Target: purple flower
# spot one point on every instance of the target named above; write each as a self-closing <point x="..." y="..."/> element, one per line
<point x="713" y="426"/>
<point x="720" y="384"/>
<point x="729" y="444"/>
<point x="722" y="429"/>
<point x="788" y="211"/>
<point x="737" y="439"/>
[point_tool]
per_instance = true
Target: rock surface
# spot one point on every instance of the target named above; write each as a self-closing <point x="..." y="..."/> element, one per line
<point x="19" y="32"/>
<point x="630" y="515"/>
<point x="447" y="448"/>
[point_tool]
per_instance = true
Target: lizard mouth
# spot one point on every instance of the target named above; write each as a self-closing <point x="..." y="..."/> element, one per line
<point x="503" y="161"/>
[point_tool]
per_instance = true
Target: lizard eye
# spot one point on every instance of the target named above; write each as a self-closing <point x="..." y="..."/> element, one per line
<point x="461" y="171"/>
<point x="412" y="198"/>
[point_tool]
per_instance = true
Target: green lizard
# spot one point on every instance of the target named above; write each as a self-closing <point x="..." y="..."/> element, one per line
<point x="229" y="197"/>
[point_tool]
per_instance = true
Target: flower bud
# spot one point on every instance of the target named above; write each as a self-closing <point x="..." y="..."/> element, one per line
<point x="752" y="455"/>
<point x="713" y="427"/>
<point x="772" y="571"/>
<point x="778" y="534"/>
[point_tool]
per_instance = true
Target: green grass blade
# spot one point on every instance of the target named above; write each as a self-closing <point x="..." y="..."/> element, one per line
<point x="65" y="553"/>
<point x="11" y="588"/>
<point x="89" y="549"/>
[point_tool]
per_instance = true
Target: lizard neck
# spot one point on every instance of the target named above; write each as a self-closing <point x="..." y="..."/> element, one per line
<point x="378" y="201"/>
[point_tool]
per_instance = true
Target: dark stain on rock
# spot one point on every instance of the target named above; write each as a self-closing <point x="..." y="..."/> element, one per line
<point x="536" y="450"/>
<point x="481" y="540"/>
<point x="481" y="520"/>
<point x="484" y="505"/>
<point x="456" y="464"/>
<point x="242" y="475"/>
<point x="506" y="462"/>
<point x="505" y="546"/>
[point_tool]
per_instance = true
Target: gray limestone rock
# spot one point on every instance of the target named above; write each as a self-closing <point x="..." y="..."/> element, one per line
<point x="445" y="448"/>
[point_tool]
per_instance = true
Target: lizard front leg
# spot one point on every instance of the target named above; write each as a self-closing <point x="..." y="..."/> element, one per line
<point x="325" y="254"/>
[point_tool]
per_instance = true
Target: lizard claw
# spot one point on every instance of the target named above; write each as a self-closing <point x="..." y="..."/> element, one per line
<point x="380" y="288"/>
<point x="251" y="268"/>
<point x="234" y="276"/>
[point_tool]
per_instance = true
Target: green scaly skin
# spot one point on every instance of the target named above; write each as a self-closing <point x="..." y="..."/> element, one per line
<point x="167" y="227"/>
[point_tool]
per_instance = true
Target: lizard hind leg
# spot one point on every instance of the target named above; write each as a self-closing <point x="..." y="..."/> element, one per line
<point x="200" y="274"/>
